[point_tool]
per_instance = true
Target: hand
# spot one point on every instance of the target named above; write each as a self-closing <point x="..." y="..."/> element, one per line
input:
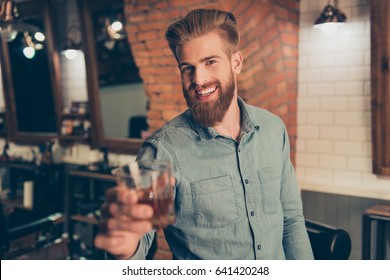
<point x="124" y="221"/>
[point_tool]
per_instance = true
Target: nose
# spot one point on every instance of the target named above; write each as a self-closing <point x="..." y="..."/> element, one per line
<point x="199" y="76"/>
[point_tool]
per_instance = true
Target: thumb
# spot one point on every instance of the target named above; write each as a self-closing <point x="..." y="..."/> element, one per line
<point x="173" y="181"/>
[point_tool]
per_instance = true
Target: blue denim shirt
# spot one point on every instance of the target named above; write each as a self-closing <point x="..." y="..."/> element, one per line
<point x="233" y="199"/>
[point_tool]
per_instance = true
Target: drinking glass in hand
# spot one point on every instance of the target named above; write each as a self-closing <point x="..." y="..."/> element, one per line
<point x="151" y="179"/>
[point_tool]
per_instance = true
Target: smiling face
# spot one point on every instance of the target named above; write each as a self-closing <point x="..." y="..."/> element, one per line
<point x="208" y="77"/>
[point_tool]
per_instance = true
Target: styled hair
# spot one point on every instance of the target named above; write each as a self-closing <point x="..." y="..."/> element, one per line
<point x="200" y="22"/>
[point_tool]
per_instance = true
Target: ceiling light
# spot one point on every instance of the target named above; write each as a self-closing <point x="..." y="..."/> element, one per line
<point x="10" y="23"/>
<point x="39" y="36"/>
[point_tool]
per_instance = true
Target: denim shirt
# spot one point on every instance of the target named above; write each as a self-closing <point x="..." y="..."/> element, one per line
<point x="233" y="199"/>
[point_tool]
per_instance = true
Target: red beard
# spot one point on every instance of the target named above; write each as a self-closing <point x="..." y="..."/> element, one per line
<point x="209" y="113"/>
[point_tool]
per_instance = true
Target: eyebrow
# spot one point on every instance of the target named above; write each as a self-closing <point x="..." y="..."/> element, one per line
<point x="202" y="60"/>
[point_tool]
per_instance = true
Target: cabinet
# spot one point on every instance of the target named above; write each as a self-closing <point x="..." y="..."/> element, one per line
<point x="380" y="86"/>
<point x="85" y="193"/>
<point x="47" y="189"/>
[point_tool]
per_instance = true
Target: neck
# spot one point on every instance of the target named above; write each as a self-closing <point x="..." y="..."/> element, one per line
<point x="231" y="123"/>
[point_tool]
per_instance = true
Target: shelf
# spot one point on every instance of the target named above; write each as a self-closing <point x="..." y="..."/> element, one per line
<point x="92" y="175"/>
<point x="73" y="138"/>
<point x="18" y="165"/>
<point x="16" y="203"/>
<point x="84" y="219"/>
<point x="74" y="116"/>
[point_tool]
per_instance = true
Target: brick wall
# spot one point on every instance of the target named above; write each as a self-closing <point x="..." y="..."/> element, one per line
<point x="269" y="38"/>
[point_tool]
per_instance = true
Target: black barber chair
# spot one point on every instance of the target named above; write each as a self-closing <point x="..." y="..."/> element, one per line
<point x="136" y="125"/>
<point x="39" y="229"/>
<point x="328" y="243"/>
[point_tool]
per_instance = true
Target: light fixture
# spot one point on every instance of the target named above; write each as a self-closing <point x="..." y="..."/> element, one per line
<point x="72" y="47"/>
<point x="10" y="23"/>
<point x="115" y="29"/>
<point x="32" y="44"/>
<point x="29" y="52"/>
<point x="330" y="19"/>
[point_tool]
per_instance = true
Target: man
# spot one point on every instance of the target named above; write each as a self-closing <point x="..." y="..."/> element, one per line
<point x="236" y="195"/>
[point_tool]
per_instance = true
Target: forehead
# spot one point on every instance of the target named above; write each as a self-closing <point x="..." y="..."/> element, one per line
<point x="193" y="51"/>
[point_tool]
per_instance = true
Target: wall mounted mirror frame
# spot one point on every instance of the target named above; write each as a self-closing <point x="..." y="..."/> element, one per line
<point x="4" y="75"/>
<point x="39" y="9"/>
<point x="99" y="140"/>
<point x="380" y="85"/>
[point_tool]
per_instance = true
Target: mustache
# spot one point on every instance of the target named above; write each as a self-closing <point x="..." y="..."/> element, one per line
<point x="194" y="86"/>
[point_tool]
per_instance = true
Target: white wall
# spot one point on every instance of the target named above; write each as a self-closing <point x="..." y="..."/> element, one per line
<point x="334" y="114"/>
<point x="73" y="79"/>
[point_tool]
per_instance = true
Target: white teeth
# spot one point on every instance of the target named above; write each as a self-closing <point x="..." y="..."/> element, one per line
<point x="206" y="91"/>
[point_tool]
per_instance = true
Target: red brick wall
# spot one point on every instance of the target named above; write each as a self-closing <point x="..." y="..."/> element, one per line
<point x="269" y="43"/>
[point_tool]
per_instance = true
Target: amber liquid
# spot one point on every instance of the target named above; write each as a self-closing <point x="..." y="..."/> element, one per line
<point x="162" y="206"/>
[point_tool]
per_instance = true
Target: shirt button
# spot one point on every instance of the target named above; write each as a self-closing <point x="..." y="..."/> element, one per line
<point x="252" y="213"/>
<point x="246" y="181"/>
<point x="239" y="150"/>
<point x="258" y="247"/>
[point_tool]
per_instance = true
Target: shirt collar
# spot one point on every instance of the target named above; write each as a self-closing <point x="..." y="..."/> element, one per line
<point x="247" y="123"/>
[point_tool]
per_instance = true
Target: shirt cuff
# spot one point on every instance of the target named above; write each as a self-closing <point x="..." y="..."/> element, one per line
<point x="138" y="255"/>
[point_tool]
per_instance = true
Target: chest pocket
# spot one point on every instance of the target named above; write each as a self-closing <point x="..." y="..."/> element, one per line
<point x="214" y="202"/>
<point x="270" y="180"/>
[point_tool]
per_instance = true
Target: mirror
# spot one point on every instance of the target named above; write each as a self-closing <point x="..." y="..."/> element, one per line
<point x="3" y="125"/>
<point x="117" y="98"/>
<point x="31" y="78"/>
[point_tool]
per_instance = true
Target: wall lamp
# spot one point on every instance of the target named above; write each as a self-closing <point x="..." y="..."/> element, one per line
<point x="10" y="23"/>
<point x="330" y="19"/>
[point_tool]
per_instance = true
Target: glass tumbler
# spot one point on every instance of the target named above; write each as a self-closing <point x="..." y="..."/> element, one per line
<point x="151" y="179"/>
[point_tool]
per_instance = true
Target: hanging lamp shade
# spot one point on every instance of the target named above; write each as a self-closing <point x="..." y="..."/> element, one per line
<point x="329" y="20"/>
<point x="330" y="15"/>
<point x="10" y="23"/>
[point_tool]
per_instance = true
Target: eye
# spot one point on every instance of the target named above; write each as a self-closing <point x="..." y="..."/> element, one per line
<point x="210" y="62"/>
<point x="186" y="69"/>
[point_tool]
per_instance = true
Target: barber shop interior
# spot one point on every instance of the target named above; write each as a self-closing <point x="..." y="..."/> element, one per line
<point x="84" y="83"/>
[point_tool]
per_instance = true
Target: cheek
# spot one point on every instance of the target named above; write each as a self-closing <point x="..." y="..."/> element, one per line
<point x="185" y="80"/>
<point x="224" y="75"/>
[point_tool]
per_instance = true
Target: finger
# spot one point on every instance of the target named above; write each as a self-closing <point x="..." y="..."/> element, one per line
<point x="133" y="226"/>
<point x="103" y="241"/>
<point x="135" y="211"/>
<point x="122" y="195"/>
<point x="173" y="181"/>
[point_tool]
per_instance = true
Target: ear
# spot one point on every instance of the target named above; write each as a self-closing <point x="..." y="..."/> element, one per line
<point x="237" y="61"/>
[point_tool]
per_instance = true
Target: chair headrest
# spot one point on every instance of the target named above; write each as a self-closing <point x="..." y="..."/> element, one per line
<point x="328" y="243"/>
